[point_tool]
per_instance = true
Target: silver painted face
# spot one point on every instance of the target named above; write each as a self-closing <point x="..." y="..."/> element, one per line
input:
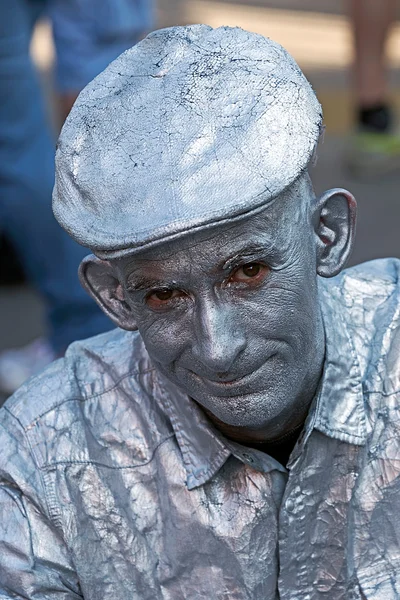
<point x="231" y="314"/>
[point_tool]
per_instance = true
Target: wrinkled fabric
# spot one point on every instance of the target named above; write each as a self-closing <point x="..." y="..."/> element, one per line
<point x="113" y="483"/>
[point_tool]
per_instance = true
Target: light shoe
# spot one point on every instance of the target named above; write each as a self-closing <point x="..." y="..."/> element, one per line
<point x="16" y="366"/>
<point x="371" y="154"/>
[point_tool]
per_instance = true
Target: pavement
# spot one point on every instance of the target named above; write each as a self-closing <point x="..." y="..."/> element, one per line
<point x="318" y="35"/>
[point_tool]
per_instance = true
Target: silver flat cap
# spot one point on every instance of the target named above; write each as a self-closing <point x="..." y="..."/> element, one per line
<point x="191" y="127"/>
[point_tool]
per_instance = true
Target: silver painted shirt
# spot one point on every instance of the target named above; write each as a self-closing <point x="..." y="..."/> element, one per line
<point x="113" y="484"/>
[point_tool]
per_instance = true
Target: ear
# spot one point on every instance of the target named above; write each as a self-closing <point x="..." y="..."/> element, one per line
<point x="334" y="225"/>
<point x="100" y="281"/>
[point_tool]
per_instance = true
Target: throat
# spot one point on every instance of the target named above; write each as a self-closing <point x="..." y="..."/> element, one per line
<point x="281" y="448"/>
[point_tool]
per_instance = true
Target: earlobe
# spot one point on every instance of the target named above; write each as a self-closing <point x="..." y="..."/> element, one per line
<point x="334" y="224"/>
<point x="100" y="281"/>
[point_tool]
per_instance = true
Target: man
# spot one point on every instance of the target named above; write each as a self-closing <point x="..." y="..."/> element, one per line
<point x="243" y="443"/>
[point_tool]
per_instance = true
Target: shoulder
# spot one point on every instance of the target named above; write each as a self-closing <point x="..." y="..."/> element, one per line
<point x="89" y="368"/>
<point x="365" y="302"/>
<point x="379" y="277"/>
<point x="367" y="295"/>
<point x="101" y="390"/>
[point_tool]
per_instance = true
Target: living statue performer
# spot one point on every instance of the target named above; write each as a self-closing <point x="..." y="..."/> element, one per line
<point x="238" y="437"/>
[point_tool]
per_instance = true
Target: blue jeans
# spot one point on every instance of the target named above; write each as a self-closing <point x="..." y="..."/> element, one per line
<point x="49" y="256"/>
<point x="89" y="34"/>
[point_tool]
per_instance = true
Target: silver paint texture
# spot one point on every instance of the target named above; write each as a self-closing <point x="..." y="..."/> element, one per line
<point x="114" y="485"/>
<point x="191" y="127"/>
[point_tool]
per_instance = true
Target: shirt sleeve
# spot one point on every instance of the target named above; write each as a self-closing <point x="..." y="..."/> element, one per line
<point x="34" y="560"/>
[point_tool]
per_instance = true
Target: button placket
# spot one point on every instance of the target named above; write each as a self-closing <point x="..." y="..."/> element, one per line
<point x="292" y="538"/>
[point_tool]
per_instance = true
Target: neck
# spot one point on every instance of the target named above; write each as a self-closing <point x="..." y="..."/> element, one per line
<point x="280" y="449"/>
<point x="258" y="437"/>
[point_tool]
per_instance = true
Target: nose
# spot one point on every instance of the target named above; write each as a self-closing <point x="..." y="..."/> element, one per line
<point x="218" y="339"/>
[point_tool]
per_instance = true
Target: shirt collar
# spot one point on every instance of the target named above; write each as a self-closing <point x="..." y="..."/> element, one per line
<point x="340" y="410"/>
<point x="202" y="447"/>
<point x="337" y="409"/>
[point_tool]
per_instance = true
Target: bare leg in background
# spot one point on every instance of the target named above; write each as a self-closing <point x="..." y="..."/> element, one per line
<point x="375" y="146"/>
<point x="371" y="21"/>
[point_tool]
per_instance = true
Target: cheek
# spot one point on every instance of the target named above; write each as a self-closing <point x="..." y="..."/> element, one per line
<point x="165" y="337"/>
<point x="288" y="312"/>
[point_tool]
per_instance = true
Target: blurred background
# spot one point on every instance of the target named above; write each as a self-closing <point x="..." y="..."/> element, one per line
<point x="319" y="34"/>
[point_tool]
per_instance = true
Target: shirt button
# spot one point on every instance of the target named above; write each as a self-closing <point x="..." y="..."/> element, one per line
<point x="289" y="505"/>
<point x="248" y="457"/>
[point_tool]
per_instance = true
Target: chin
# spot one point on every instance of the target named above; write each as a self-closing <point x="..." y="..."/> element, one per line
<point x="254" y="411"/>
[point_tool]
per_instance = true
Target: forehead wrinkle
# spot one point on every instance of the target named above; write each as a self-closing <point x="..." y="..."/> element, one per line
<point x="208" y="255"/>
<point x="191" y="243"/>
<point x="148" y="273"/>
<point x="219" y="234"/>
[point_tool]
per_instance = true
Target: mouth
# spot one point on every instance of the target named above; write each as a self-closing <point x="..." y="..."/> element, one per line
<point x="225" y="386"/>
<point x="220" y="382"/>
<point x="226" y="382"/>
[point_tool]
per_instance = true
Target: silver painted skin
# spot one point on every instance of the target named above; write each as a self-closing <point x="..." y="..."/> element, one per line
<point x="115" y="485"/>
<point x="191" y="127"/>
<point x="250" y="352"/>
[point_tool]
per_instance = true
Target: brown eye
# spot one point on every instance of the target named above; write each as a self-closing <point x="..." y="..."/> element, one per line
<point x="163" y="295"/>
<point x="161" y="298"/>
<point x="251" y="270"/>
<point x="250" y="273"/>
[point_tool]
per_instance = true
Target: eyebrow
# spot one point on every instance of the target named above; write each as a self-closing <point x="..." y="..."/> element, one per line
<point x="252" y="252"/>
<point x="248" y="252"/>
<point x="138" y="284"/>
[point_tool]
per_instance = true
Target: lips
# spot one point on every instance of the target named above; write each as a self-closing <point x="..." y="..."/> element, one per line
<point x="235" y="387"/>
<point x="244" y="384"/>
<point x="220" y="382"/>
